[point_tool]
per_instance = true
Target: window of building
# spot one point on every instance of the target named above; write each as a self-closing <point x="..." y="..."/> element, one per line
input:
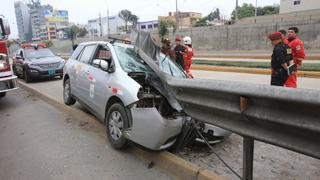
<point x="296" y="2"/>
<point x="150" y="26"/>
<point x="155" y="26"/>
<point x="143" y="26"/>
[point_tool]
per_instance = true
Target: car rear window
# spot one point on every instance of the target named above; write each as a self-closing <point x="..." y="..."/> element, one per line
<point x="77" y="52"/>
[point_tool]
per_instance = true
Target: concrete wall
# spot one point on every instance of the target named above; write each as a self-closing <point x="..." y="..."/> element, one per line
<point x="234" y="37"/>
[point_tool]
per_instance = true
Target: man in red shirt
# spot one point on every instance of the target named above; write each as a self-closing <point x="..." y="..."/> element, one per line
<point x="298" y="54"/>
<point x="284" y="39"/>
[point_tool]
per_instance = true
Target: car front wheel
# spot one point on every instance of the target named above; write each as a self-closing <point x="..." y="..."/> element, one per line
<point x="67" y="97"/>
<point x="26" y="76"/>
<point x="116" y="122"/>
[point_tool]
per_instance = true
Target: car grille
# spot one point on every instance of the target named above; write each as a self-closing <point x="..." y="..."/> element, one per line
<point x="49" y="66"/>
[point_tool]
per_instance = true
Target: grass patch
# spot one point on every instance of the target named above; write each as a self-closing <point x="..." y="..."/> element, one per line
<point x="262" y="65"/>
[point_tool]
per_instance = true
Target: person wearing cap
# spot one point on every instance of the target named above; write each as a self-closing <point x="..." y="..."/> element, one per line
<point x="298" y="54"/>
<point x="180" y="51"/>
<point x="166" y="48"/>
<point x="280" y="60"/>
<point x="284" y="33"/>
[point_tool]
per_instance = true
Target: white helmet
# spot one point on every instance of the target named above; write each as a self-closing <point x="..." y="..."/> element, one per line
<point x="187" y="40"/>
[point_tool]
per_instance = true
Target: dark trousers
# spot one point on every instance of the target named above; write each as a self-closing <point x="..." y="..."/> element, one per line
<point x="279" y="77"/>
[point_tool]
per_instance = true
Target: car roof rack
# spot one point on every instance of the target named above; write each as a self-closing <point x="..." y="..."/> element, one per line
<point x="114" y="39"/>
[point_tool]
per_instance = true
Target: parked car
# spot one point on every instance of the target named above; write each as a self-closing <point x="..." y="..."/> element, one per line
<point x="33" y="61"/>
<point x="119" y="88"/>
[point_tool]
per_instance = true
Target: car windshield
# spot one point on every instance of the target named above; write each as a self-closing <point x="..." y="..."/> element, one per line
<point x="131" y="62"/>
<point x="40" y="53"/>
<point x="168" y="66"/>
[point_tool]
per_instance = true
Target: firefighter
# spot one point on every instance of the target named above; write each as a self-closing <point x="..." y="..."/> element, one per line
<point x="180" y="52"/>
<point x="189" y="54"/>
<point x="280" y="60"/>
<point x="298" y="55"/>
<point x="284" y="38"/>
<point x="166" y="48"/>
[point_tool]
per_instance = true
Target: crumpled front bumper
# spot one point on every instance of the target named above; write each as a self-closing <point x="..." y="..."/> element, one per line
<point x="8" y="84"/>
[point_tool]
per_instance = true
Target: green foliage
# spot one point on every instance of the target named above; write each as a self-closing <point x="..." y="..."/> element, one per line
<point x="212" y="16"/>
<point x="82" y="32"/>
<point x="163" y="27"/>
<point x="49" y="43"/>
<point x="127" y="16"/>
<point x="72" y="33"/>
<point x="248" y="10"/>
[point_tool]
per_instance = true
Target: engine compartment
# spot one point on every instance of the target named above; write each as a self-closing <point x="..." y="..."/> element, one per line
<point x="149" y="95"/>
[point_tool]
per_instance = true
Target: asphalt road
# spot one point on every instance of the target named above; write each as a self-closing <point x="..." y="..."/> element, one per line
<point x="40" y="142"/>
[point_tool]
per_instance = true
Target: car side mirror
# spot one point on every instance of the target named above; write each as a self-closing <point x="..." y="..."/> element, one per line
<point x="102" y="64"/>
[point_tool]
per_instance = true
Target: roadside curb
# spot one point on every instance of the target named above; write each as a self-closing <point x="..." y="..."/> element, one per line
<point x="309" y="74"/>
<point x="175" y="166"/>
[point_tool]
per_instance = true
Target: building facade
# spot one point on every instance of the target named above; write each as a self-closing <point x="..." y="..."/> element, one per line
<point x="186" y="19"/>
<point x="38" y="21"/>
<point x="288" y="6"/>
<point x="147" y="25"/>
<point x="23" y="21"/>
<point x="115" y="22"/>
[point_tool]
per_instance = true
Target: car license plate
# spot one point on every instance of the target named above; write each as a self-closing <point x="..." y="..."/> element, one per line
<point x="52" y="72"/>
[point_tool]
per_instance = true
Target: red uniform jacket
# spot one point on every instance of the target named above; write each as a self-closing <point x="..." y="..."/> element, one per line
<point x="187" y="58"/>
<point x="297" y="52"/>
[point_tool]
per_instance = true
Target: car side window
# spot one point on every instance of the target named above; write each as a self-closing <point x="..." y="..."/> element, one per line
<point x="87" y="54"/>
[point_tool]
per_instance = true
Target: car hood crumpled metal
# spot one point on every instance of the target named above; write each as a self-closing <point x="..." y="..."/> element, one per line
<point x="149" y="51"/>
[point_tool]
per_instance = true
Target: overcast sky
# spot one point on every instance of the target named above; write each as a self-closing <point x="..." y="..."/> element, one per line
<point x="82" y="10"/>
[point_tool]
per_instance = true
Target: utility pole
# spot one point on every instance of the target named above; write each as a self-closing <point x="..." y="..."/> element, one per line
<point x="256" y="10"/>
<point x="236" y="11"/>
<point x="177" y="15"/>
<point x="108" y="17"/>
<point x="100" y="25"/>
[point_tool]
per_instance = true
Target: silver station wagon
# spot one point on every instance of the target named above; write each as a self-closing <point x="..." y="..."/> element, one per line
<point x="122" y="91"/>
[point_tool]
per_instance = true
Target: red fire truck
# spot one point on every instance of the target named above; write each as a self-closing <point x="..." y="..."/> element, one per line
<point x="8" y="81"/>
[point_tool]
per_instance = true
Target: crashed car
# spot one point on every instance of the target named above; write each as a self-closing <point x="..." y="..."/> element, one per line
<point x="126" y="94"/>
<point x="34" y="60"/>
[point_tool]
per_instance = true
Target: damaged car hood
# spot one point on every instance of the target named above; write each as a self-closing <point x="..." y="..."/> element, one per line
<point x="149" y="51"/>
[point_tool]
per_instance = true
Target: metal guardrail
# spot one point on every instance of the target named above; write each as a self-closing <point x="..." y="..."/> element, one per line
<point x="289" y="118"/>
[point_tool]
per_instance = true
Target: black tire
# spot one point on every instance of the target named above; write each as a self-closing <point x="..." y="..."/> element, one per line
<point x="67" y="96"/>
<point x="15" y="71"/>
<point x="115" y="110"/>
<point x="26" y="76"/>
<point x="2" y="94"/>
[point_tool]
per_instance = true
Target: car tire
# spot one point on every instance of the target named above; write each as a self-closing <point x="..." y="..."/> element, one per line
<point x="26" y="76"/>
<point x="2" y="95"/>
<point x="67" y="96"/>
<point x="116" y="121"/>
<point x="15" y="71"/>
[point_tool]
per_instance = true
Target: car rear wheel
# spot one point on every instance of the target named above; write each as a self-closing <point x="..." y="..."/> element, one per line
<point x="116" y="122"/>
<point x="67" y="97"/>
<point x="26" y="76"/>
<point x="2" y="95"/>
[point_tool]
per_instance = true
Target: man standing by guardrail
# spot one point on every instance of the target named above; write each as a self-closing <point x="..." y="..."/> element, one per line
<point x="298" y="54"/>
<point x="280" y="60"/>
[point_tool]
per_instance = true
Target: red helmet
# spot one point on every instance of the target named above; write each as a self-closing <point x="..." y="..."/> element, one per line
<point x="178" y="38"/>
<point x="275" y="36"/>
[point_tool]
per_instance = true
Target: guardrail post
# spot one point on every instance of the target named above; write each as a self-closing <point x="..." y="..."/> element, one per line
<point x="248" y="147"/>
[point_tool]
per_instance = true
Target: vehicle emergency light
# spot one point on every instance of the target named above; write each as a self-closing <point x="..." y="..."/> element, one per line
<point x="33" y="45"/>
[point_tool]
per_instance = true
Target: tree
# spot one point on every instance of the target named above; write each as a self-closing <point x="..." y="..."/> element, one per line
<point x="248" y="10"/>
<point x="134" y="20"/>
<point x="210" y="17"/>
<point x="125" y="15"/>
<point x="164" y="25"/>
<point x="72" y="33"/>
<point x="82" y="32"/>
